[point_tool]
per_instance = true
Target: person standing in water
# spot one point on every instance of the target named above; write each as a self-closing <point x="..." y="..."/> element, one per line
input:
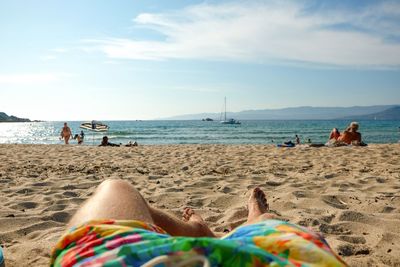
<point x="66" y="133"/>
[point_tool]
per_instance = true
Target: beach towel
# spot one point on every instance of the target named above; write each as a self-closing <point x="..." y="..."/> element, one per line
<point x="134" y="243"/>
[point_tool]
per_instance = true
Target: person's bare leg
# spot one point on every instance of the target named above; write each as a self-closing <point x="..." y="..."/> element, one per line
<point x="113" y="199"/>
<point x="178" y="227"/>
<point x="119" y="200"/>
<point x="258" y="207"/>
<point x="197" y="221"/>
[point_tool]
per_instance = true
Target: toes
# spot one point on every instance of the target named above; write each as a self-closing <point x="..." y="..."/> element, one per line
<point x="260" y="195"/>
<point x="187" y="213"/>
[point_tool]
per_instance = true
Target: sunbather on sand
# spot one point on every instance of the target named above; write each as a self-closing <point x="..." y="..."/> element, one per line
<point x="104" y="142"/>
<point x="350" y="135"/>
<point x="335" y="134"/>
<point x="116" y="227"/>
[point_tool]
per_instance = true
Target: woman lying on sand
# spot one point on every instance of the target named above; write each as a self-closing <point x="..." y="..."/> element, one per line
<point x="116" y="227"/>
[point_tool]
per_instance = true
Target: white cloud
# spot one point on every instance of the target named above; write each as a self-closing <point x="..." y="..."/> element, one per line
<point x="31" y="78"/>
<point x="265" y="32"/>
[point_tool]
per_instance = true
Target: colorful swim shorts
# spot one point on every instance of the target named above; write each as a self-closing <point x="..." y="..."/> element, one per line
<point x="134" y="243"/>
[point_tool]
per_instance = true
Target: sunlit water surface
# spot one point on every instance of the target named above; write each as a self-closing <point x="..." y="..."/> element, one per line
<point x="198" y="132"/>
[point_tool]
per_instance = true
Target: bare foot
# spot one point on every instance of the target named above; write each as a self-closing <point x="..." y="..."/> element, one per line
<point x="200" y="227"/>
<point x="257" y="204"/>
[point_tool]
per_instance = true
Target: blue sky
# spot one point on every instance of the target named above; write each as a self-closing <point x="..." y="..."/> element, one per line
<point x="83" y="60"/>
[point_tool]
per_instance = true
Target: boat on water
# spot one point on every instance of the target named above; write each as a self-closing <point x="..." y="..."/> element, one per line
<point x="94" y="126"/>
<point x="228" y="121"/>
<point x="207" y="119"/>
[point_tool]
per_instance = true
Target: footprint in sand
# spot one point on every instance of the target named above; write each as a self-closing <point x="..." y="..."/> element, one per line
<point x="328" y="218"/>
<point x="60" y="216"/>
<point x="307" y="222"/>
<point x="352" y="250"/>
<point x="353" y="239"/>
<point x="388" y="209"/>
<point x="303" y="194"/>
<point x="68" y="187"/>
<point x="70" y="194"/>
<point x="56" y="207"/>
<point x="25" y="205"/>
<point x="335" y="229"/>
<point x="354" y="216"/>
<point x="275" y="182"/>
<point x="42" y="184"/>
<point x="25" y="191"/>
<point x="334" y="201"/>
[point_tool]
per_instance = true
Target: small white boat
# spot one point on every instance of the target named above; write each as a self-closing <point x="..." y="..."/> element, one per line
<point x="228" y="121"/>
<point x="94" y="126"/>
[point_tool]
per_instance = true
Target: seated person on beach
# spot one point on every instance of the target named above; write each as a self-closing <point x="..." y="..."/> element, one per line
<point x="335" y="134"/>
<point x="297" y="140"/>
<point x="117" y="227"/>
<point x="287" y="144"/>
<point x="105" y="142"/>
<point x="79" y="138"/>
<point x="350" y="136"/>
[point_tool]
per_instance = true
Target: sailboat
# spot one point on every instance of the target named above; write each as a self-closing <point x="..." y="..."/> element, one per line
<point x="229" y="121"/>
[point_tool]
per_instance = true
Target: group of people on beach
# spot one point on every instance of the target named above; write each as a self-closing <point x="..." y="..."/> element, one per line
<point x="66" y="134"/>
<point x="350" y="136"/>
<point x="105" y="142"/>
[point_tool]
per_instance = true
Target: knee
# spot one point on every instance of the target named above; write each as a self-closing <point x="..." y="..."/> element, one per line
<point x="115" y="185"/>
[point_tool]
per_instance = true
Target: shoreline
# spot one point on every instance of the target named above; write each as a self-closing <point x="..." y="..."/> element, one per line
<point x="197" y="132"/>
<point x="302" y="145"/>
<point x="349" y="194"/>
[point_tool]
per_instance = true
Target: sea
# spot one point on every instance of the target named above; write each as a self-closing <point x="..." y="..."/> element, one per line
<point x="199" y="132"/>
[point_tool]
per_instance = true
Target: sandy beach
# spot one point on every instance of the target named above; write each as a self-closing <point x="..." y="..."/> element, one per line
<point x="349" y="194"/>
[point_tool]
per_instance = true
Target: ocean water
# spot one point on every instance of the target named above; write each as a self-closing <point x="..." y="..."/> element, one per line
<point x="198" y="132"/>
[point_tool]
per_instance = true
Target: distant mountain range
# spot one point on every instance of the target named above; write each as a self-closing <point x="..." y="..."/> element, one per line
<point x="5" y="118"/>
<point x="382" y="112"/>
<point x="388" y="114"/>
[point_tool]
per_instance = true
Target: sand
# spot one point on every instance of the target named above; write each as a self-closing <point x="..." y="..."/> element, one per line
<point x="349" y="194"/>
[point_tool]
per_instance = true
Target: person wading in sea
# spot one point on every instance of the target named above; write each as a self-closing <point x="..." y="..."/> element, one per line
<point x="66" y="133"/>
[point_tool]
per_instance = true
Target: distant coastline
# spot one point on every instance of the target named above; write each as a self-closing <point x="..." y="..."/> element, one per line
<point x="6" y="118"/>
<point x="378" y="112"/>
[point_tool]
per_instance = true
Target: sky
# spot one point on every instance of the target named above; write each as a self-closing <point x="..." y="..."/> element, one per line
<point x="147" y="59"/>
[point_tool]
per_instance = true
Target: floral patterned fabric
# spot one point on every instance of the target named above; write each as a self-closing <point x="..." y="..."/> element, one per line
<point x="133" y="243"/>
